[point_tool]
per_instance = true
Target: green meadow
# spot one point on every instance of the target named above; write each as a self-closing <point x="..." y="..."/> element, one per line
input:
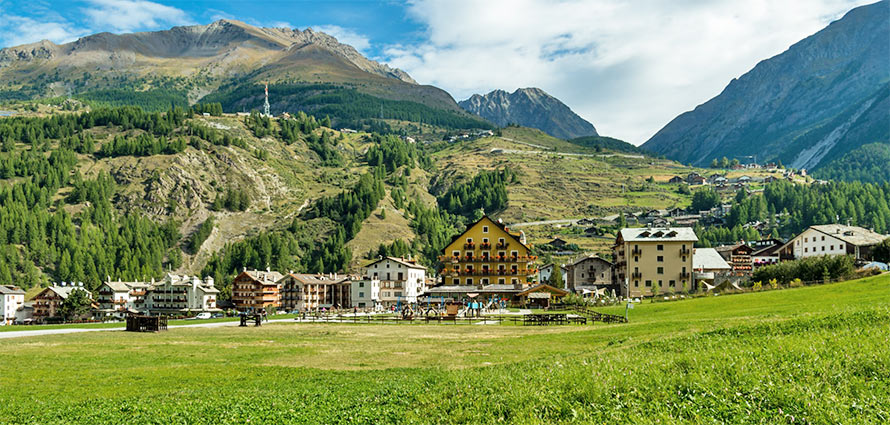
<point x="809" y="355"/>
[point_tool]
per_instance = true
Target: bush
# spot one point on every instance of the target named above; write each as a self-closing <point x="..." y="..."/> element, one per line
<point x="812" y="269"/>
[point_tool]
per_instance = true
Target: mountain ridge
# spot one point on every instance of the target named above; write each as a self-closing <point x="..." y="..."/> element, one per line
<point x="530" y="107"/>
<point x="824" y="96"/>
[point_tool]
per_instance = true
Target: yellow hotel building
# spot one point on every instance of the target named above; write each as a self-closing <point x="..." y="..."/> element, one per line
<point x="488" y="254"/>
<point x="650" y="258"/>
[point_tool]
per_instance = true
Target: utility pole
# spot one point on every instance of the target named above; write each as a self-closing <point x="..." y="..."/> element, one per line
<point x="266" y="105"/>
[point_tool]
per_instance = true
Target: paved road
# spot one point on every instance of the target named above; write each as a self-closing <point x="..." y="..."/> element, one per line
<point x="39" y="332"/>
<point x="541" y="223"/>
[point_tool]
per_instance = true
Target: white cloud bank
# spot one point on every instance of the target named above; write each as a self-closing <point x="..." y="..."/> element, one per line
<point x="627" y="67"/>
<point x="345" y="36"/>
<point x="128" y="15"/>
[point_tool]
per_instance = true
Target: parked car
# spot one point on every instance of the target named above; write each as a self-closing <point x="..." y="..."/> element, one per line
<point x="218" y="315"/>
<point x="202" y="316"/>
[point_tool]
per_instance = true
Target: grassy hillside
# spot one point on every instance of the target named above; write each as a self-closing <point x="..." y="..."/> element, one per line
<point x="808" y="355"/>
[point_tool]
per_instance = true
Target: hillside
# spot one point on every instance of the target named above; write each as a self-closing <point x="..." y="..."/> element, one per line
<point x="825" y="96"/>
<point x="185" y="64"/>
<point x="212" y="194"/>
<point x="529" y="107"/>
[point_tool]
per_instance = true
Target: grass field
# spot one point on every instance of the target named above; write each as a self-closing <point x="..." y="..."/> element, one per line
<point x="809" y="355"/>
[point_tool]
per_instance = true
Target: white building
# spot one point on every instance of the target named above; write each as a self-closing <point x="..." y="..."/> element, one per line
<point x="181" y="294"/>
<point x="11" y="299"/>
<point x="366" y="294"/>
<point x="120" y="298"/>
<point x="545" y="271"/>
<point x="833" y="239"/>
<point x="401" y="280"/>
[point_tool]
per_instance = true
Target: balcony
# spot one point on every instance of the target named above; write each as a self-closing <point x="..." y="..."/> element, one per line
<point x="502" y="245"/>
<point x="637" y="251"/>
<point x="448" y="258"/>
<point x="485" y="245"/>
<point x="636" y="275"/>
<point x="684" y="275"/>
<point x="469" y="245"/>
<point x="684" y="251"/>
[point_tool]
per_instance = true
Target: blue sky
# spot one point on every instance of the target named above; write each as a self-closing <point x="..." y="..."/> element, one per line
<point x="629" y="67"/>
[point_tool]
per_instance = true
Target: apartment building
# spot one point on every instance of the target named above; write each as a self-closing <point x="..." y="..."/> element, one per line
<point x="180" y="295"/>
<point x="256" y="290"/>
<point x="119" y="298"/>
<point x="11" y="299"/>
<point x="310" y="292"/>
<point x="400" y="280"/>
<point x="650" y="260"/>
<point x="366" y="294"/>
<point x="488" y="253"/>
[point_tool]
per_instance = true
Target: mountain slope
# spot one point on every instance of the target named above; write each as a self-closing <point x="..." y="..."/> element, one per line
<point x="529" y="107"/>
<point x="198" y="60"/>
<point x="825" y="96"/>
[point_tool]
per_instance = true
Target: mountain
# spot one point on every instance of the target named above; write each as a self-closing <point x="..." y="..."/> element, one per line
<point x="226" y="59"/>
<point x="823" y="97"/>
<point x="530" y="107"/>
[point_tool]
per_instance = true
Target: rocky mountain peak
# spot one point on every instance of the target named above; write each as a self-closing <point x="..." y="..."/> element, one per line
<point x="530" y="107"/>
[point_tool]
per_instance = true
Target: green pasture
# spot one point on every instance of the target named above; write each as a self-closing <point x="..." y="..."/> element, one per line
<point x="809" y="355"/>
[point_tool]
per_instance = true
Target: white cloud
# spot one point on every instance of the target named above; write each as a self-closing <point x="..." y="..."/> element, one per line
<point x="628" y="67"/>
<point x="128" y="15"/>
<point x="16" y="30"/>
<point x="345" y="36"/>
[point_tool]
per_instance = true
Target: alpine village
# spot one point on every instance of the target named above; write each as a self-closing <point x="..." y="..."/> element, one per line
<point x="238" y="187"/>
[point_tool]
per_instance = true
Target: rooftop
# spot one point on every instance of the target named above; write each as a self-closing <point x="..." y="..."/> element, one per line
<point x="851" y="234"/>
<point x="645" y="234"/>
<point x="708" y="259"/>
<point x="11" y="290"/>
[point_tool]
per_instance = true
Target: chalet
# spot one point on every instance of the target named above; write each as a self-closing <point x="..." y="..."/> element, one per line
<point x="833" y="239"/>
<point x="558" y="243"/>
<point x="590" y="272"/>
<point x="676" y="212"/>
<point x="312" y="292"/>
<point x="738" y="256"/>
<point x="401" y="280"/>
<point x="12" y="298"/>
<point x="539" y="295"/>
<point x="256" y="290"/>
<point x="717" y="179"/>
<point x="695" y="179"/>
<point x="766" y="252"/>
<point x="48" y="303"/>
<point x="676" y="179"/>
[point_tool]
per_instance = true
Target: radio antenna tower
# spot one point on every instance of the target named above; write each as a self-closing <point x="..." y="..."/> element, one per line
<point x="266" y="105"/>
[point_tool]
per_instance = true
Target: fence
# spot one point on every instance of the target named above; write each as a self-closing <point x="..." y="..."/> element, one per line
<point x="146" y="323"/>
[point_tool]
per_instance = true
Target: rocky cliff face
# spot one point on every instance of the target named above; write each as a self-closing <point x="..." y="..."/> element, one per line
<point x="217" y="41"/>
<point x="825" y="96"/>
<point x="530" y="107"/>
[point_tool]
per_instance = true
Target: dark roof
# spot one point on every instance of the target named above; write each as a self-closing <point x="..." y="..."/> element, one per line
<point x="545" y="287"/>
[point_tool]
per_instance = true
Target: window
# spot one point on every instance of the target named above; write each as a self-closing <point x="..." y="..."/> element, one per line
<point x="660" y="259"/>
<point x="484" y="281"/>
<point x="514" y="253"/>
<point x="484" y="240"/>
<point x="455" y="253"/>
<point x="806" y="249"/>
<point x="469" y="240"/>
<point x="684" y="258"/>
<point x="361" y="294"/>
<point x="361" y="284"/>
<point x="805" y="240"/>
<point x="485" y="230"/>
<point x="823" y="247"/>
<point x="659" y="247"/>
<point x="514" y="281"/>
<point x="648" y="283"/>
<point x="387" y="277"/>
<point x="660" y="270"/>
<point x="636" y="284"/>
<point x="832" y="247"/>
<point x="823" y="238"/>
<point x="501" y="281"/>
<point x="636" y="259"/>
<point x="469" y="281"/>
<point x="660" y="284"/>
<point x="672" y="283"/>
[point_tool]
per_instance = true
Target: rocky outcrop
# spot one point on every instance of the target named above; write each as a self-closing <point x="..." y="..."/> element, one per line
<point x="529" y="107"/>
<point x="823" y="97"/>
